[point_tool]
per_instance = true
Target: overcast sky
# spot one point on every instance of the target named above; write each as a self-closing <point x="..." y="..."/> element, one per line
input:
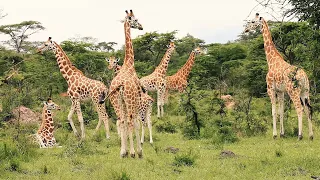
<point x="215" y="21"/>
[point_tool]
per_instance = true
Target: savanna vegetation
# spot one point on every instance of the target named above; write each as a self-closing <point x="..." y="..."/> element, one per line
<point x="199" y="138"/>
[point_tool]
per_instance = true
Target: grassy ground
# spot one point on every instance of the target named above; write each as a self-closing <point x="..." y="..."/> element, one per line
<point x="98" y="158"/>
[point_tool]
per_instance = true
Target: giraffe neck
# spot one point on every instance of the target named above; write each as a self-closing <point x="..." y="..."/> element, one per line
<point x="47" y="120"/>
<point x="129" y="56"/>
<point x="186" y="69"/>
<point x="269" y="47"/>
<point x="64" y="63"/>
<point x="163" y="66"/>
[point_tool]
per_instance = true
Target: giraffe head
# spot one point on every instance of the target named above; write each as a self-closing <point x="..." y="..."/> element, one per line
<point x="50" y="105"/>
<point x="113" y="62"/>
<point x="197" y="51"/>
<point x="48" y="45"/>
<point x="171" y="45"/>
<point x="132" y="20"/>
<point x="253" y="24"/>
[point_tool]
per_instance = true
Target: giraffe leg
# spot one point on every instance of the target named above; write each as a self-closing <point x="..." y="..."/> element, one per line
<point x="73" y="106"/>
<point x="104" y="116"/>
<point x="137" y="130"/>
<point x="142" y="134"/>
<point x="130" y="133"/>
<point x="149" y="112"/>
<point x="272" y="96"/>
<point x="162" y="94"/>
<point x="158" y="103"/>
<point x="298" y="106"/>
<point x="80" y="119"/>
<point x="308" y="110"/>
<point x="281" y="111"/>
<point x="123" y="127"/>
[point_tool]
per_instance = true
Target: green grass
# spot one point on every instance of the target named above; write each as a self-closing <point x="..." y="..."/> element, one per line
<point x="258" y="157"/>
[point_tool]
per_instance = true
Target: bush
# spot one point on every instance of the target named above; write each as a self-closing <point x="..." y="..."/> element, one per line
<point x="166" y="126"/>
<point x="187" y="159"/>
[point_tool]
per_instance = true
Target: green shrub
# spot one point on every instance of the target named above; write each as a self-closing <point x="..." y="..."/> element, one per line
<point x="166" y="126"/>
<point x="187" y="159"/>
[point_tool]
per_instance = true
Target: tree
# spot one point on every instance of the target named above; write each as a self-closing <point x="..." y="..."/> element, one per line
<point x="105" y="46"/>
<point x="2" y="14"/>
<point x="20" y="32"/>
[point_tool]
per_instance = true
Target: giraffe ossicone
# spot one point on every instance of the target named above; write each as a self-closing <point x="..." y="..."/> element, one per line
<point x="283" y="77"/>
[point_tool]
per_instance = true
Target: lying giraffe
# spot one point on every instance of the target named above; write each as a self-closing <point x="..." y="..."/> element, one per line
<point x="79" y="87"/>
<point x="283" y="77"/>
<point x="44" y="136"/>
<point x="145" y="105"/>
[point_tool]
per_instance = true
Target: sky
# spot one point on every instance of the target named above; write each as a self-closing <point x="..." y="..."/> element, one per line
<point x="214" y="21"/>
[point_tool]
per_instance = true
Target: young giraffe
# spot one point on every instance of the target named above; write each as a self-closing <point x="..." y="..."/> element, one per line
<point x="179" y="80"/>
<point x="44" y="136"/>
<point x="127" y="84"/>
<point x="79" y="87"/>
<point x="283" y="77"/>
<point x="145" y="105"/>
<point x="156" y="81"/>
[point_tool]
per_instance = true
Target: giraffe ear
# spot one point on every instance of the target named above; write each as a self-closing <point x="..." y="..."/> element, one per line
<point x="118" y="59"/>
<point x="45" y="103"/>
<point x="107" y="59"/>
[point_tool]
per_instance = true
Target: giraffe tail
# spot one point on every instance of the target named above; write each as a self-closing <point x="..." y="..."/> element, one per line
<point x="102" y="97"/>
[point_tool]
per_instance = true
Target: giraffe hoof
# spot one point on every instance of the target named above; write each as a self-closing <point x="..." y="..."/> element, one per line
<point x="282" y="136"/>
<point x="300" y="137"/>
<point x="140" y="155"/>
<point x="311" y="137"/>
<point x="274" y="136"/>
<point x="124" y="155"/>
<point x="133" y="155"/>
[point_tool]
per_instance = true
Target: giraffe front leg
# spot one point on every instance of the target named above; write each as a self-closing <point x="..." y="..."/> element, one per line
<point x="104" y="117"/>
<point x="73" y="106"/>
<point x="80" y="119"/>
<point x="162" y="94"/>
<point x="159" y="104"/>
<point x="272" y="96"/>
<point x="281" y="111"/>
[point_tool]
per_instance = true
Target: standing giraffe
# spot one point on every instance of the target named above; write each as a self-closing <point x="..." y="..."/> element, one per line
<point x="79" y="87"/>
<point x="156" y="81"/>
<point x="283" y="77"/>
<point x="145" y="105"/>
<point x="127" y="89"/>
<point x="179" y="80"/>
<point x="44" y="136"/>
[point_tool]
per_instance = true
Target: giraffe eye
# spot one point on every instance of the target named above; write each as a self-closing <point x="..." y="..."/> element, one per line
<point x="46" y="44"/>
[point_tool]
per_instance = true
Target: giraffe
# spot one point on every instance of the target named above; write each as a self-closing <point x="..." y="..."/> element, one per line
<point x="145" y="105"/>
<point x="283" y="77"/>
<point x="126" y="87"/>
<point x="44" y="136"/>
<point x="79" y="87"/>
<point x="156" y="81"/>
<point x="179" y="80"/>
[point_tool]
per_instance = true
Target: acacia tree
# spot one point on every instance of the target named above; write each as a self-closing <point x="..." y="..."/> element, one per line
<point x="20" y="32"/>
